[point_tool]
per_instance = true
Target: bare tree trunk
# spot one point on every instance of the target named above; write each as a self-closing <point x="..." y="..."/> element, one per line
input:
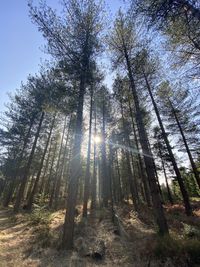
<point x="184" y="193"/>
<point x="104" y="170"/>
<point x="41" y="190"/>
<point x="131" y="177"/>
<point x="20" y="193"/>
<point x="194" y="167"/>
<point x="47" y="183"/>
<point x="94" y="176"/>
<point x="12" y="184"/>
<point x="140" y="167"/>
<point x="119" y="179"/>
<point x="34" y="190"/>
<point x="157" y="204"/>
<point x="57" y="168"/>
<point x="167" y="184"/>
<point x="87" y="173"/>
<point x="58" y="183"/>
<point x="68" y="231"/>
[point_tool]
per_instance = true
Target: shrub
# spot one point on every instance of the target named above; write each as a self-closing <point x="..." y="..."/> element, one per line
<point x="40" y="216"/>
<point x="173" y="248"/>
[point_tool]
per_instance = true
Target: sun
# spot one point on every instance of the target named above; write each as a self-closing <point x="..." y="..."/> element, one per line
<point x="97" y="139"/>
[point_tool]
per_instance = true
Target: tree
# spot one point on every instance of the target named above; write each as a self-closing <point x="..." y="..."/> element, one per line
<point x="177" y="19"/>
<point x="147" y="69"/>
<point x="177" y="108"/>
<point x="74" y="41"/>
<point x="122" y="44"/>
<point x="162" y="153"/>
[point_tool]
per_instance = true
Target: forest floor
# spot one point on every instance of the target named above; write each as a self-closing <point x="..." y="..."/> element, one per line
<point x="33" y="239"/>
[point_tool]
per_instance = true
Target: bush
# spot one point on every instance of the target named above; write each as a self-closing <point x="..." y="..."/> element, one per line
<point x="191" y="231"/>
<point x="40" y="216"/>
<point x="170" y="247"/>
<point x="41" y="219"/>
<point x="192" y="248"/>
<point x="167" y="247"/>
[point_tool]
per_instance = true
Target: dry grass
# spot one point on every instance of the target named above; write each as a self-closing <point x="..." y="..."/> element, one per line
<point x="24" y="243"/>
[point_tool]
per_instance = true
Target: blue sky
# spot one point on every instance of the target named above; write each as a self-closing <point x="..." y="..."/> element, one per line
<point x="21" y="44"/>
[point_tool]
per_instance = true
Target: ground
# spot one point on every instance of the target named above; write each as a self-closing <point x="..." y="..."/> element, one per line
<point x="33" y="240"/>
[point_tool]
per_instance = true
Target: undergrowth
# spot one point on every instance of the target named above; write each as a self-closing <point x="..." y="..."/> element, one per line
<point x="41" y="219"/>
<point x="177" y="248"/>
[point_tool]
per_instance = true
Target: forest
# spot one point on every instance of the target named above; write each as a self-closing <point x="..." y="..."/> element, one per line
<point x="100" y="150"/>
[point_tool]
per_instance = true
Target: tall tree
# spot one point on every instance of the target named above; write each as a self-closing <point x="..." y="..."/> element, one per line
<point x="73" y="40"/>
<point x="122" y="45"/>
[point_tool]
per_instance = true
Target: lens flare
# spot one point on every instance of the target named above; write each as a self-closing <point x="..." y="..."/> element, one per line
<point x="97" y="139"/>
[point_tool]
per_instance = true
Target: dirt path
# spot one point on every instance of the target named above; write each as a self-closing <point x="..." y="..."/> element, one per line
<point x="14" y="238"/>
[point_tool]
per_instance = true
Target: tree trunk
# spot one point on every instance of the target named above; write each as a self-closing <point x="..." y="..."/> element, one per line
<point x="104" y="170"/>
<point x="68" y="231"/>
<point x="157" y="205"/>
<point x="58" y="183"/>
<point x="194" y="167"/>
<point x="167" y="184"/>
<point x="48" y="182"/>
<point x="34" y="190"/>
<point x="140" y="167"/>
<point x="27" y="169"/>
<point x="119" y="179"/>
<point x="131" y="177"/>
<point x="184" y="193"/>
<point x="94" y="176"/>
<point x="41" y="190"/>
<point x="12" y="184"/>
<point x="87" y="172"/>
<point x="57" y="169"/>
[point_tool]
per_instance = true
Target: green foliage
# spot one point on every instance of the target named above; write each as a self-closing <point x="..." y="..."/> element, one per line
<point x="40" y="216"/>
<point x="190" y="184"/>
<point x="191" y="231"/>
<point x="167" y="247"/>
<point x="41" y="219"/>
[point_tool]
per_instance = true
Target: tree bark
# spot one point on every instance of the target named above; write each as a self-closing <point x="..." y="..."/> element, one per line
<point x="131" y="178"/>
<point x="94" y="176"/>
<point x="119" y="179"/>
<point x="188" y="209"/>
<point x="12" y="184"/>
<point x="194" y="168"/>
<point x="52" y="197"/>
<point x="157" y="205"/>
<point x="87" y="172"/>
<point x="27" y="169"/>
<point x="58" y="183"/>
<point x="41" y="190"/>
<point x="68" y="231"/>
<point x="140" y="167"/>
<point x="34" y="190"/>
<point x="104" y="171"/>
<point x="47" y="184"/>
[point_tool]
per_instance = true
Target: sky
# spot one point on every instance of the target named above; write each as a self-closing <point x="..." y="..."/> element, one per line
<point x="21" y="44"/>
